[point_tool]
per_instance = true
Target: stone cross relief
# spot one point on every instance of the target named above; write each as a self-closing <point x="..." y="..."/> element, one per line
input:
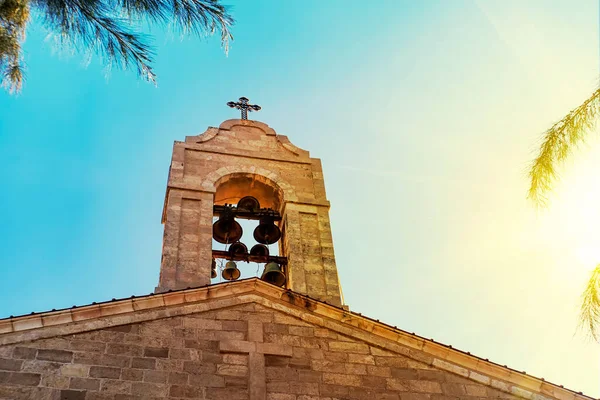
<point x="256" y="350"/>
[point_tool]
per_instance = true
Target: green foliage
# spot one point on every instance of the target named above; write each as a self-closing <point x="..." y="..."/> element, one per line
<point x="558" y="143"/>
<point x="107" y="27"/>
<point x="590" y="305"/>
<point x="14" y="15"/>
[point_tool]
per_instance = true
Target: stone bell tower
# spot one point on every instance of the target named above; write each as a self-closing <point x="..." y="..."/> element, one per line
<point x="247" y="158"/>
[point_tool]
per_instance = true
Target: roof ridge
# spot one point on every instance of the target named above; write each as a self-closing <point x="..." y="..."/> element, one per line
<point x="114" y="307"/>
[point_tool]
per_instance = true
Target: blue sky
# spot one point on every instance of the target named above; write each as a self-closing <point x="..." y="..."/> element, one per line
<point x="425" y="115"/>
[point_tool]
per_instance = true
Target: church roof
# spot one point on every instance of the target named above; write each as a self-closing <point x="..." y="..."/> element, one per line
<point x="162" y="305"/>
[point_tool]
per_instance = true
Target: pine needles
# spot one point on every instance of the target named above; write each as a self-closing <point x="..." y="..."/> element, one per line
<point x="589" y="319"/>
<point x="107" y="27"/>
<point x="559" y="141"/>
<point x="14" y="15"/>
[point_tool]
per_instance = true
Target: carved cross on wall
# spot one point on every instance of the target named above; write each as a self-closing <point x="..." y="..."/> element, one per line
<point x="244" y="106"/>
<point x="256" y="350"/>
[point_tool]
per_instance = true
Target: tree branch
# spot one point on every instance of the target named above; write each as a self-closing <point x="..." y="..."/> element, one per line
<point x="558" y="143"/>
<point x="90" y="23"/>
<point x="589" y="318"/>
<point x="14" y="15"/>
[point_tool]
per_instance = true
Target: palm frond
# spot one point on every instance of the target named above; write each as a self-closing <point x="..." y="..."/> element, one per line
<point x="589" y="318"/>
<point x="558" y="143"/>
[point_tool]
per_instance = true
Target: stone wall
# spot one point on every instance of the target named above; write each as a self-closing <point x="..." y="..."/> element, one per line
<point x="244" y="352"/>
<point x="253" y="151"/>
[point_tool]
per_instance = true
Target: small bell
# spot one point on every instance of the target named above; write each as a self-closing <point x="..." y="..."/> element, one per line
<point x="213" y="269"/>
<point x="238" y="249"/>
<point x="227" y="229"/>
<point x="259" y="250"/>
<point x="231" y="271"/>
<point x="267" y="232"/>
<point x="248" y="203"/>
<point x="273" y="275"/>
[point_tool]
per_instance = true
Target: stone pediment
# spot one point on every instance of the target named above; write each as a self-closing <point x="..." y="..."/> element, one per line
<point x="247" y="138"/>
<point x="290" y="341"/>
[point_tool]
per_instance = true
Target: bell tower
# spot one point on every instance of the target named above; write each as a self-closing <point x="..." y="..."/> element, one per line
<point x="244" y="169"/>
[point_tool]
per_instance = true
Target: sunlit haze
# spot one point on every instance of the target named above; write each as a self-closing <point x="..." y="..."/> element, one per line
<point x="425" y="114"/>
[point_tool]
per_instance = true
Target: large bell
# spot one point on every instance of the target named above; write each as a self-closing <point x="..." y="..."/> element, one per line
<point x="248" y="203"/>
<point x="213" y="269"/>
<point x="267" y="232"/>
<point x="227" y="229"/>
<point x="238" y="249"/>
<point x="231" y="271"/>
<point x="273" y="275"/>
<point x="259" y="250"/>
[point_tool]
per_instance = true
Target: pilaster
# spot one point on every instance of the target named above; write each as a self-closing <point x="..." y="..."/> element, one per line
<point x="187" y="240"/>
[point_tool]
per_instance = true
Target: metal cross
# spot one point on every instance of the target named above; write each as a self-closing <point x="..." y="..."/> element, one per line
<point x="244" y="106"/>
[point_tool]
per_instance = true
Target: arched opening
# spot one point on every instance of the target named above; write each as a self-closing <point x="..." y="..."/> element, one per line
<point x="231" y="188"/>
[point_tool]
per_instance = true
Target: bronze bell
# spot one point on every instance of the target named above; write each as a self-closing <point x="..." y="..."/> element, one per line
<point x="227" y="229"/>
<point x="231" y="271"/>
<point x="259" y="250"/>
<point x="238" y="249"/>
<point x="213" y="269"/>
<point x="248" y="203"/>
<point x="273" y="275"/>
<point x="267" y="232"/>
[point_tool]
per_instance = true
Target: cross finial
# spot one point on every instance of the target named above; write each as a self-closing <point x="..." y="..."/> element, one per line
<point x="244" y="106"/>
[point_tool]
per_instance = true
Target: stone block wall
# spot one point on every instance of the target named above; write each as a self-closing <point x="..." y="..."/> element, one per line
<point x="253" y="151"/>
<point x="247" y="352"/>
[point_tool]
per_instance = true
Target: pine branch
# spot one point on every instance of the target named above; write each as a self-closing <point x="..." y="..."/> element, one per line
<point x="188" y="16"/>
<point x="589" y="318"/>
<point x="14" y="15"/>
<point x="12" y="76"/>
<point x="558" y="143"/>
<point x="120" y="45"/>
<point x="89" y="23"/>
<point x="96" y="24"/>
<point x="198" y="16"/>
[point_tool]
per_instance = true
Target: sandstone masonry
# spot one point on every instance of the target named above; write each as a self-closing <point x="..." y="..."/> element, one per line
<point x="208" y="356"/>
<point x="238" y="159"/>
<point x="246" y="340"/>
<point x="242" y="340"/>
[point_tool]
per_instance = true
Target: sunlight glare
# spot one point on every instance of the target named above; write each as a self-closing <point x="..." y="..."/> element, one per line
<point x="576" y="211"/>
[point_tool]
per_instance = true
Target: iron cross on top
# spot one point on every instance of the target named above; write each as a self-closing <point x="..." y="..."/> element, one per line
<point x="244" y="106"/>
